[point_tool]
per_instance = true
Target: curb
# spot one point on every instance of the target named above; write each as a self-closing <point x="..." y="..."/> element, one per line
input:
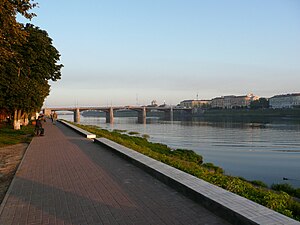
<point x="13" y="180"/>
<point x="78" y="130"/>
<point x="232" y="207"/>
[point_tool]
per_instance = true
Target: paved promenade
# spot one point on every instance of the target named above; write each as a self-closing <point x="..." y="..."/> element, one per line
<point x="67" y="179"/>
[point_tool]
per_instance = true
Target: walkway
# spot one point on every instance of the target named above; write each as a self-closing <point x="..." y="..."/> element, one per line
<point x="67" y="179"/>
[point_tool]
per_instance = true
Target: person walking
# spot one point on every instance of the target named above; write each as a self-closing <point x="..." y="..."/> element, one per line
<point x="54" y="117"/>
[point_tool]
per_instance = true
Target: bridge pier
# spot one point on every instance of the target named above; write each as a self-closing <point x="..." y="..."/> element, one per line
<point x="109" y="115"/>
<point x="142" y="115"/>
<point x="169" y="114"/>
<point x="76" y="115"/>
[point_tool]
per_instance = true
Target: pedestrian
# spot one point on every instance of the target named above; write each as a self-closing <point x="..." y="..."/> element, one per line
<point x="54" y="117"/>
<point x="39" y="127"/>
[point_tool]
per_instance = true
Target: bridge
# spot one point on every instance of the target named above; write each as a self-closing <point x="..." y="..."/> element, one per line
<point x="109" y="111"/>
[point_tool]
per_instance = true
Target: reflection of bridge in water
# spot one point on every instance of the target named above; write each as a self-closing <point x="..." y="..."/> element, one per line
<point x="109" y="111"/>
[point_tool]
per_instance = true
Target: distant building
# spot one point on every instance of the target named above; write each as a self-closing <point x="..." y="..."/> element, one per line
<point x="217" y="103"/>
<point x="285" y="101"/>
<point x="195" y="103"/>
<point x="244" y="101"/>
<point x="232" y="101"/>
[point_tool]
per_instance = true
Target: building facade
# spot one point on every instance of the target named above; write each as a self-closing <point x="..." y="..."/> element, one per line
<point x="195" y="103"/>
<point x="285" y="101"/>
<point x="232" y="101"/>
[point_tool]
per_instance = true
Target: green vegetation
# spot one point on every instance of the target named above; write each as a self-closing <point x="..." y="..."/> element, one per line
<point x="259" y="183"/>
<point x="133" y="133"/>
<point x="120" y="131"/>
<point x="146" y="136"/>
<point x="28" y="60"/>
<point x="8" y="136"/>
<point x="287" y="188"/>
<point x="261" y="103"/>
<point x="11" y="31"/>
<point x="190" y="162"/>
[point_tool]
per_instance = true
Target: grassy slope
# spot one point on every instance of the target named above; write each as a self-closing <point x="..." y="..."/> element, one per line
<point x="190" y="162"/>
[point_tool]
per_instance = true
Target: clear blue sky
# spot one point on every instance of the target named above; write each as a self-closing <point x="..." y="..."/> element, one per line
<point x="122" y="52"/>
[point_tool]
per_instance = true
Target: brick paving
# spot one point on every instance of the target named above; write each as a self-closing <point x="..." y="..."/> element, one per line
<point x="67" y="179"/>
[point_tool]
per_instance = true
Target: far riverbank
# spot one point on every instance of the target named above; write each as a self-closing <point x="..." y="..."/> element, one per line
<point x="251" y="114"/>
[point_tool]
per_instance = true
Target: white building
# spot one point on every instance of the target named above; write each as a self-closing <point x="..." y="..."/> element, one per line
<point x="195" y="103"/>
<point x="285" y="101"/>
<point x="232" y="101"/>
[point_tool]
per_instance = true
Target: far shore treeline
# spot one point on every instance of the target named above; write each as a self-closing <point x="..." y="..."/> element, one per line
<point x="28" y="60"/>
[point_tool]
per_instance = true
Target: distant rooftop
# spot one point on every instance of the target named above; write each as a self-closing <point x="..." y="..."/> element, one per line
<point x="286" y="95"/>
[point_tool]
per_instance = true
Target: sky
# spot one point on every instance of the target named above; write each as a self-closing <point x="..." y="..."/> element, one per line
<point x="128" y="52"/>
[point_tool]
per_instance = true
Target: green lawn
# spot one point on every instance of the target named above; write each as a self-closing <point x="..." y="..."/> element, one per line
<point x="9" y="136"/>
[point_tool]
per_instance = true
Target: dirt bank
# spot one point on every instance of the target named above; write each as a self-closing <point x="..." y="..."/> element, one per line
<point x="10" y="158"/>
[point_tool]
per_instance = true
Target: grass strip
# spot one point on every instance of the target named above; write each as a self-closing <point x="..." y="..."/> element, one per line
<point x="9" y="136"/>
<point x="192" y="163"/>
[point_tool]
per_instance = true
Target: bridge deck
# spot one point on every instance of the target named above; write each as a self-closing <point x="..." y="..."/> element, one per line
<point x="67" y="179"/>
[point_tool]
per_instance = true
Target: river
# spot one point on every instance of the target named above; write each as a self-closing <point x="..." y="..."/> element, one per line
<point x="267" y="153"/>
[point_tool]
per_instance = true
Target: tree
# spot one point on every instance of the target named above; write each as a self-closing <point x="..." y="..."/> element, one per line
<point x="261" y="103"/>
<point x="12" y="32"/>
<point x="24" y="80"/>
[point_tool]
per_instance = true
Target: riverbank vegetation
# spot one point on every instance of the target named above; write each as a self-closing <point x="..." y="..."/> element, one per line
<point x="295" y="192"/>
<point x="192" y="163"/>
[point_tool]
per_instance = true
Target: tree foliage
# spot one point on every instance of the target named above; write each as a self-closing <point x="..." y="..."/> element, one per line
<point x="261" y="103"/>
<point x="28" y="60"/>
<point x="12" y="32"/>
<point x="39" y="56"/>
<point x="24" y="84"/>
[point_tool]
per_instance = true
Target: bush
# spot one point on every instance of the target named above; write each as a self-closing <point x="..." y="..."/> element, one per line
<point x="295" y="208"/>
<point x="259" y="183"/>
<point x="133" y="133"/>
<point x="214" y="168"/>
<point x="188" y="155"/>
<point x="146" y="136"/>
<point x="283" y="187"/>
<point x="119" y="131"/>
<point x="297" y="193"/>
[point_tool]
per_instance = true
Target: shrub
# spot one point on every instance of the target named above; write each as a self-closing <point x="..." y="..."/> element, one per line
<point x="119" y="131"/>
<point x="133" y="133"/>
<point x="283" y="187"/>
<point x="146" y="136"/>
<point x="259" y="183"/>
<point x="295" y="208"/>
<point x="214" y="168"/>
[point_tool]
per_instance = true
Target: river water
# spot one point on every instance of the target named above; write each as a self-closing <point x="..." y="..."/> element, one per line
<point x="268" y="153"/>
